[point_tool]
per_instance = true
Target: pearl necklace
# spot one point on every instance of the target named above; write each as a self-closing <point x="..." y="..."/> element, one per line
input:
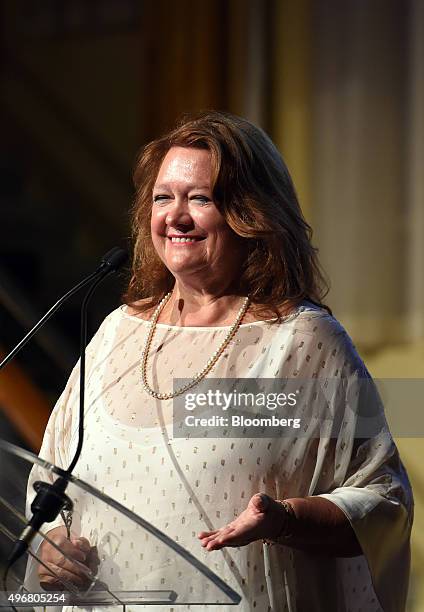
<point x="209" y="365"/>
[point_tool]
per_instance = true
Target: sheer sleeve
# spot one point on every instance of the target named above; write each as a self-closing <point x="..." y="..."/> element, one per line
<point x="55" y="449"/>
<point x="361" y="472"/>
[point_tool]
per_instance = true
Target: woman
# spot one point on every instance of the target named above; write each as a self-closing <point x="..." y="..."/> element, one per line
<point x="224" y="269"/>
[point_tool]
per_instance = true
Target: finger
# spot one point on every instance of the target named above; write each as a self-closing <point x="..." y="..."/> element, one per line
<point x="64" y="579"/>
<point x="219" y="543"/>
<point x="75" y="554"/>
<point x="93" y="558"/>
<point x="64" y="548"/>
<point x="216" y="544"/>
<point x="212" y="536"/>
<point x="72" y="565"/>
<point x="51" y="585"/>
<point x="233" y="536"/>
<point x="207" y="534"/>
<point x="206" y="541"/>
<point x="82" y="544"/>
<point x="223" y="538"/>
<point x="261" y="502"/>
<point x="69" y="557"/>
<point x="57" y="574"/>
<point x="67" y="553"/>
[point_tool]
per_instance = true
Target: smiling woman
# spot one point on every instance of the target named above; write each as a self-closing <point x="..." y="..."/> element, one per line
<point x="232" y="177"/>
<point x="226" y="285"/>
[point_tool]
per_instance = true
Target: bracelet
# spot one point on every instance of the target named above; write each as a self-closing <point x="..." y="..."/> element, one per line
<point x="286" y="531"/>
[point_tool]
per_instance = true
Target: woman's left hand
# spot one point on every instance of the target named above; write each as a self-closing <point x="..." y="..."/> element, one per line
<point x="262" y="519"/>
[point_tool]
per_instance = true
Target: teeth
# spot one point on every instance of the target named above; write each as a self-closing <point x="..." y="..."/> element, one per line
<point x="183" y="239"/>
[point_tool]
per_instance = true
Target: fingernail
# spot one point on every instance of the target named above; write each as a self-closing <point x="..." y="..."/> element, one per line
<point x="264" y="499"/>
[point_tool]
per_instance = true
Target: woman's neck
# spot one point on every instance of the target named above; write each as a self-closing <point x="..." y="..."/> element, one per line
<point x="201" y="309"/>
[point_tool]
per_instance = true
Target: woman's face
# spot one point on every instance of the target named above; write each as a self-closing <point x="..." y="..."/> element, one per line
<point x="189" y="233"/>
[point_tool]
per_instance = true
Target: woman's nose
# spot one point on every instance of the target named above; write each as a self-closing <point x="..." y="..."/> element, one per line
<point x="178" y="213"/>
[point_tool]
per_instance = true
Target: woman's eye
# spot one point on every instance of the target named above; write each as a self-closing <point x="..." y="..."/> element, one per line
<point x="200" y="198"/>
<point x="158" y="199"/>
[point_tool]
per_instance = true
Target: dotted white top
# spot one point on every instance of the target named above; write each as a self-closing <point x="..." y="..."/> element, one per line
<point x="183" y="486"/>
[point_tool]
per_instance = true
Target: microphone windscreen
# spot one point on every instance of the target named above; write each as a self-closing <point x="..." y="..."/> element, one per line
<point x="115" y="258"/>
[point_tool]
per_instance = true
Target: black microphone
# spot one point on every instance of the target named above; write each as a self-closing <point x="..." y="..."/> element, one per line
<point x="114" y="259"/>
<point x="110" y="262"/>
<point x="51" y="498"/>
<point x="47" y="504"/>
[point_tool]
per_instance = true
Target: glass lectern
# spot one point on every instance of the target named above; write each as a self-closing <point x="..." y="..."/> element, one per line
<point x="131" y="562"/>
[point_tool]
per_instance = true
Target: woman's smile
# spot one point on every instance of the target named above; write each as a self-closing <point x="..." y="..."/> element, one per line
<point x="185" y="240"/>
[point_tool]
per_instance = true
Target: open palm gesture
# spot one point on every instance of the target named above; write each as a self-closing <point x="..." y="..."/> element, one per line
<point x="263" y="518"/>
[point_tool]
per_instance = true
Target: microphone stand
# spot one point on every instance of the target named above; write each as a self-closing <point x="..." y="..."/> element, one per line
<point x="107" y="265"/>
<point x="83" y="345"/>
<point x="51" y="498"/>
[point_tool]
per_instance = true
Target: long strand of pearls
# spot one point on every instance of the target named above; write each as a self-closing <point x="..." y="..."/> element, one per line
<point x="210" y="363"/>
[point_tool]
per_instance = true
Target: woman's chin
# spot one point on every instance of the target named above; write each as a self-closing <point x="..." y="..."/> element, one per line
<point x="180" y="267"/>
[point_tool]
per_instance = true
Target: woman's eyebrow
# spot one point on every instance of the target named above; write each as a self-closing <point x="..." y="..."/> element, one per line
<point x="190" y="187"/>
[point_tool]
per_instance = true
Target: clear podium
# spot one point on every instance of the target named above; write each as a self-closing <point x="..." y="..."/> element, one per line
<point x="131" y="562"/>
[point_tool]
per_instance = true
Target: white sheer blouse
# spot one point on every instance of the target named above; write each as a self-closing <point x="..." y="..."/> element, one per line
<point x="184" y="486"/>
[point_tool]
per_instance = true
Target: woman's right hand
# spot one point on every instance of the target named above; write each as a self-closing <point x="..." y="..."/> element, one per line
<point x="75" y="549"/>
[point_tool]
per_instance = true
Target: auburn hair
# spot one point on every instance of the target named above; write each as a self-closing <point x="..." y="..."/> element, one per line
<point x="253" y="190"/>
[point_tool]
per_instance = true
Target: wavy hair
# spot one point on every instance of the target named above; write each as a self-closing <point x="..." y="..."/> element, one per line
<point x="254" y="192"/>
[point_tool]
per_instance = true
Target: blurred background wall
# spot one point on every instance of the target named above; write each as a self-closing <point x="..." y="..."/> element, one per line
<point x="338" y="85"/>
